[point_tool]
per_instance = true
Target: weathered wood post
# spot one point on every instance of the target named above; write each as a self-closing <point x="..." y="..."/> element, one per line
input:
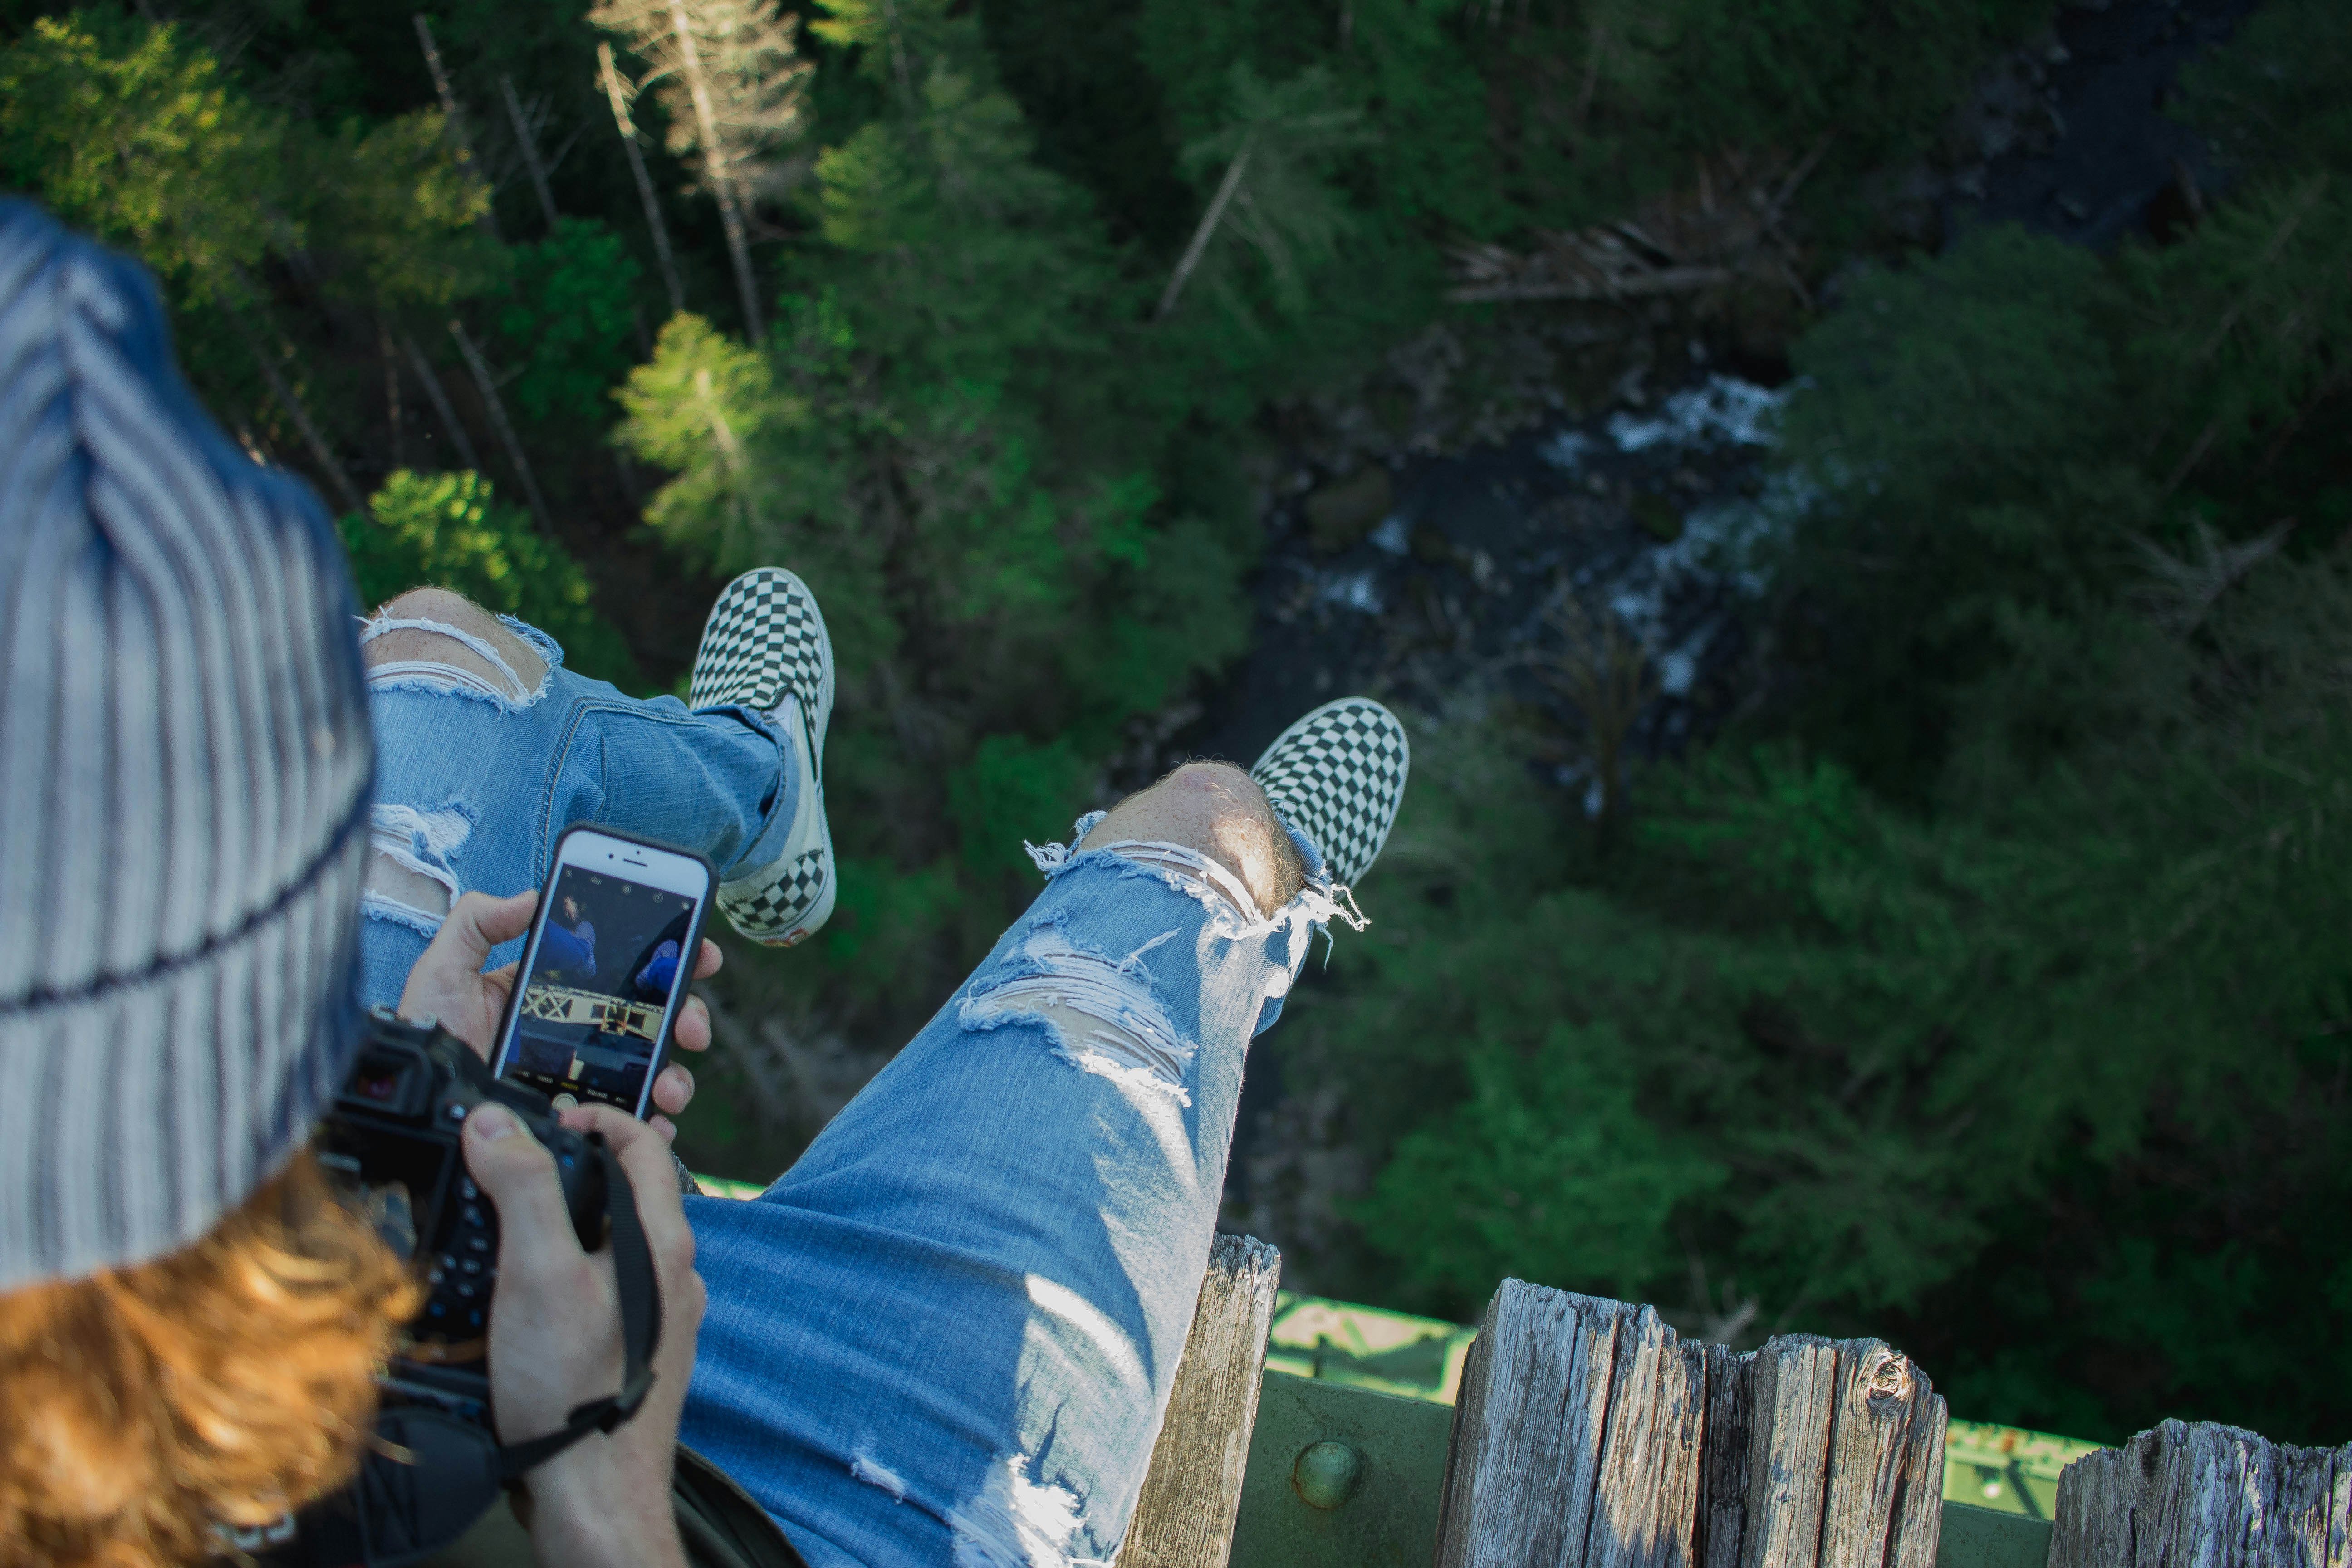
<point x="2208" y="1495"/>
<point x="1586" y="1435"/>
<point x="1184" y="1517"/>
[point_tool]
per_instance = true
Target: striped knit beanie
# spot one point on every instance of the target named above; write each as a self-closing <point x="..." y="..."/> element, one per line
<point x="184" y="766"/>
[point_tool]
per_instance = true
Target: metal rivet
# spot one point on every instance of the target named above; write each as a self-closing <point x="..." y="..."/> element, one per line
<point x="1325" y="1473"/>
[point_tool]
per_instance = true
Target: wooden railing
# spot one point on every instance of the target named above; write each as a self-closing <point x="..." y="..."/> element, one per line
<point x="1588" y="1436"/>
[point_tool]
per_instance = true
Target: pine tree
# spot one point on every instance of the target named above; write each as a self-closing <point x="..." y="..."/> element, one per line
<point x="132" y="131"/>
<point x="1274" y="148"/>
<point x="617" y="95"/>
<point x="730" y="74"/>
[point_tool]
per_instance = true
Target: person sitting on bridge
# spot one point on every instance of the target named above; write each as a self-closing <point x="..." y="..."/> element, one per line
<point x="949" y="1332"/>
<point x="568" y="947"/>
<point x="658" y="968"/>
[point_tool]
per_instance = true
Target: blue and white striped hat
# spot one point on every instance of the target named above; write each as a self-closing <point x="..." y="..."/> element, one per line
<point x="184" y="769"/>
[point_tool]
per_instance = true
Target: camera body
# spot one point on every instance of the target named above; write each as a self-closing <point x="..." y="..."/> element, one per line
<point x="394" y="1139"/>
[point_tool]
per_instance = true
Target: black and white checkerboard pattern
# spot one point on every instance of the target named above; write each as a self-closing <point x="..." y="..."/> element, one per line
<point x="771" y="913"/>
<point x="764" y="638"/>
<point x="1339" y="774"/>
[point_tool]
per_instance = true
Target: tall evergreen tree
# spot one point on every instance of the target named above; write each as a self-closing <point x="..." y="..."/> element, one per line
<point x="730" y="74"/>
<point x="1272" y="150"/>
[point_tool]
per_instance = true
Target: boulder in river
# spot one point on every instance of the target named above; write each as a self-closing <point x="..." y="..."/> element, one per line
<point x="1343" y="511"/>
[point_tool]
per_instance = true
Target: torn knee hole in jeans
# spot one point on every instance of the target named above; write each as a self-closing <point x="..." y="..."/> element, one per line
<point x="408" y="876"/>
<point x="487" y="674"/>
<point x="1100" y="1012"/>
<point x="1178" y="867"/>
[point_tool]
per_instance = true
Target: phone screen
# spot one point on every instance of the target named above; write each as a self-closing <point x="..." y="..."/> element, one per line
<point x="610" y="961"/>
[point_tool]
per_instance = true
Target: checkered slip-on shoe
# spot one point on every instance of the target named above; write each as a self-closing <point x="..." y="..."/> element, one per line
<point x="1338" y="775"/>
<point x="765" y="647"/>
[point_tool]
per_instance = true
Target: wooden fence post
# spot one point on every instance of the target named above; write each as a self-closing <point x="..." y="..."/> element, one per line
<point x="1723" y="1460"/>
<point x="1794" y="1379"/>
<point x="1883" y="1505"/>
<point x="1586" y="1435"/>
<point x="1522" y="1463"/>
<point x="1645" y="1514"/>
<point x="2216" y="1496"/>
<point x="1184" y="1517"/>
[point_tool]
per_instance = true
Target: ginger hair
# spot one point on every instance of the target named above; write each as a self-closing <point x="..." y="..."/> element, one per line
<point x="226" y="1383"/>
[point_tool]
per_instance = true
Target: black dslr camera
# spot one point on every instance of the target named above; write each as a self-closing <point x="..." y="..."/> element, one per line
<point x="391" y="1143"/>
<point x="392" y="1146"/>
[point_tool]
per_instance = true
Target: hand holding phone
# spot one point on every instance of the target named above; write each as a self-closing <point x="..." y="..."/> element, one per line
<point x="449" y="984"/>
<point x="602" y="983"/>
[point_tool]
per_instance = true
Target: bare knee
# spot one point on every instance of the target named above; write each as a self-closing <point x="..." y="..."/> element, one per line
<point x="1218" y="810"/>
<point x="446" y="607"/>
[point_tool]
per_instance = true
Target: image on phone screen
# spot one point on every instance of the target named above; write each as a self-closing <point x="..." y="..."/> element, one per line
<point x="599" y="988"/>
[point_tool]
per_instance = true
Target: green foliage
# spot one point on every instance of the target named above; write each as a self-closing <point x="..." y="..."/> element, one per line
<point x="1182" y="617"/>
<point x="1274" y="143"/>
<point x="1999" y="438"/>
<point x="2242" y="332"/>
<point x="392" y="216"/>
<point x="1414" y="97"/>
<point x="1921" y="1058"/>
<point x="693" y="407"/>
<point x="1984" y="367"/>
<point x="130" y="132"/>
<point x="447" y="530"/>
<point x="2274" y="101"/>
<point x="888" y="922"/>
<point x="1014" y="790"/>
<point x="1494" y="117"/>
<point x="569" y="312"/>
<point x="134" y="131"/>
<point x="745" y="64"/>
<point x="1506" y="1186"/>
<point x="902" y="431"/>
<point x="1748" y="75"/>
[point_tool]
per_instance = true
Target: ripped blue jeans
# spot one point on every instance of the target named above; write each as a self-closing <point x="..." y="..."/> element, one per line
<point x="477" y="774"/>
<point x="947" y="1334"/>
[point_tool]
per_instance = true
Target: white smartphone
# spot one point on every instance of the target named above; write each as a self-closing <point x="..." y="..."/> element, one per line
<point x="605" y="969"/>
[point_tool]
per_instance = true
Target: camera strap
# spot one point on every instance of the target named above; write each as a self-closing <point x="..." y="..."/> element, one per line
<point x="633" y="1272"/>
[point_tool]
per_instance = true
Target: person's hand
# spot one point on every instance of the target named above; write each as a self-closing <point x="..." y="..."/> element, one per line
<point x="448" y="984"/>
<point x="555" y="1341"/>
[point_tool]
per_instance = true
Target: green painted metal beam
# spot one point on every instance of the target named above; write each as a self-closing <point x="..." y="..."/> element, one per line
<point x="1302" y="1508"/>
<point x="1988" y="1538"/>
<point x="1387" y="1513"/>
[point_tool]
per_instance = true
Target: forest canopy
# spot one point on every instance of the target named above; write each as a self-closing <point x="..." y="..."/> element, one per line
<point x="1979" y="981"/>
